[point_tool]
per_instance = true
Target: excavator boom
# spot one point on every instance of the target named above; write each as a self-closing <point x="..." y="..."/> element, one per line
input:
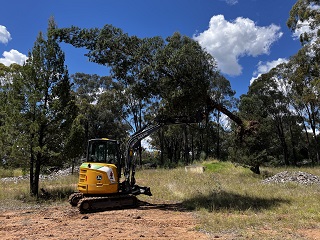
<point x="130" y="164"/>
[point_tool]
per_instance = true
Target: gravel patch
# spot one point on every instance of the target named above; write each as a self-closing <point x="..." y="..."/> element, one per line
<point x="52" y="176"/>
<point x="295" y="177"/>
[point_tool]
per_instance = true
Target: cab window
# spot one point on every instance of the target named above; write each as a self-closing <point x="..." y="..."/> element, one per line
<point x="103" y="151"/>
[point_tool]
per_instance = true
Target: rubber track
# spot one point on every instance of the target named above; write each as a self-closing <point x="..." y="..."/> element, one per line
<point x="74" y="198"/>
<point x="95" y="204"/>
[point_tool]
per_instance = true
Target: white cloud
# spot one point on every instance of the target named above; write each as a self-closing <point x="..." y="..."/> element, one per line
<point x="228" y="41"/>
<point x="304" y="27"/>
<point x="231" y="2"/>
<point x="13" y="57"/>
<point x="146" y="143"/>
<point x="266" y="67"/>
<point x="314" y="6"/>
<point x="5" y="36"/>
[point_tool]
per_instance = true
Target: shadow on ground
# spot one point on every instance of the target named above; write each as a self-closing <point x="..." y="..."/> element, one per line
<point x="231" y="201"/>
<point x="219" y="201"/>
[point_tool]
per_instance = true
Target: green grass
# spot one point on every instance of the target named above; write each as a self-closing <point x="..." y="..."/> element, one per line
<point x="229" y="201"/>
<point x="216" y="166"/>
<point x="10" y="172"/>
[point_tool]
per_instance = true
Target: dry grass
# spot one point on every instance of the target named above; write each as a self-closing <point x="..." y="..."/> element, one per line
<point x="15" y="194"/>
<point x="227" y="200"/>
<point x="10" y="172"/>
<point x="233" y="201"/>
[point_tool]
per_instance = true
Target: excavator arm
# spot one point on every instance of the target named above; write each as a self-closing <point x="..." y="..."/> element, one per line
<point x="130" y="163"/>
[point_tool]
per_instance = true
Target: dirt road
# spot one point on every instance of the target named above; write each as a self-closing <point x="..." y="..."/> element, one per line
<point x="64" y="222"/>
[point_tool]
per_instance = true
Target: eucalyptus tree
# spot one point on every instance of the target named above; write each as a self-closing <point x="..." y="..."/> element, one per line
<point x="129" y="58"/>
<point x="222" y="94"/>
<point x="100" y="111"/>
<point x="289" y="119"/>
<point x="88" y="90"/>
<point x="304" y="19"/>
<point x="172" y="77"/>
<point x="49" y="108"/>
<point x="275" y="103"/>
<point x="185" y="72"/>
<point x="253" y="149"/>
<point x="304" y="79"/>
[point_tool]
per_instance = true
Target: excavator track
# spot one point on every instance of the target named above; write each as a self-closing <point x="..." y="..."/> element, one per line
<point x="96" y="204"/>
<point x="74" y="198"/>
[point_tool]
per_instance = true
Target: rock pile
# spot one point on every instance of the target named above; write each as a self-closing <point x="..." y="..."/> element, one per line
<point x="52" y="176"/>
<point x="296" y="177"/>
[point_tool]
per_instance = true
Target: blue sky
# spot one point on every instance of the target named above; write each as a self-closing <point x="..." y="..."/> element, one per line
<point x="246" y="37"/>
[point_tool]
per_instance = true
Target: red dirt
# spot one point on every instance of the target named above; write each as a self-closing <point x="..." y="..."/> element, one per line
<point x="158" y="221"/>
<point x="65" y="222"/>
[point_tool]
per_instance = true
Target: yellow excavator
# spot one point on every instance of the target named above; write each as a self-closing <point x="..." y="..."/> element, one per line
<point x="100" y="187"/>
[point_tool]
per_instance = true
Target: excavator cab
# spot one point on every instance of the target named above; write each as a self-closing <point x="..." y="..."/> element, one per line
<point x="100" y="173"/>
<point x="103" y="150"/>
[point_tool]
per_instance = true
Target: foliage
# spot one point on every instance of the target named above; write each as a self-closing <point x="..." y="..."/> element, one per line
<point x="155" y="77"/>
<point x="289" y="119"/>
<point x="45" y="110"/>
<point x="185" y="74"/>
<point x="304" y="15"/>
<point x="288" y="116"/>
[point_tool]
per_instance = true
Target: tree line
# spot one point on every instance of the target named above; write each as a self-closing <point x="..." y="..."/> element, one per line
<point x="47" y="116"/>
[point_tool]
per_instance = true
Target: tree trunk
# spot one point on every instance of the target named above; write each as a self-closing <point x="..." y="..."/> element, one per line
<point x="38" y="162"/>
<point x="293" y="143"/>
<point x="206" y="147"/>
<point x="283" y="142"/>
<point x="176" y="151"/>
<point x="161" y="147"/>
<point x="308" y="142"/>
<point x="212" y="105"/>
<point x="37" y="175"/>
<point x="186" y="145"/>
<point x="170" y="149"/>
<point x="310" y="108"/>
<point x="140" y="126"/>
<point x="33" y="189"/>
<point x="192" y="148"/>
<point x="31" y="167"/>
<point x="218" y="136"/>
